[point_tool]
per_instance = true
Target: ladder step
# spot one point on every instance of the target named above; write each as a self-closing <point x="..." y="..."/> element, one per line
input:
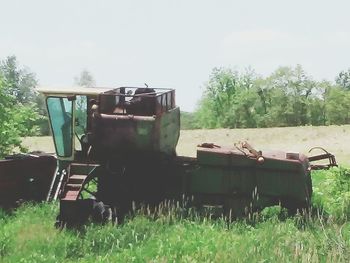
<point x="74" y="185"/>
<point x="78" y="177"/>
<point x="82" y="168"/>
<point x="71" y="195"/>
<point x="84" y="164"/>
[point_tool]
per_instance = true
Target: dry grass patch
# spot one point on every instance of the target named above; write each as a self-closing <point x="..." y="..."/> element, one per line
<point x="335" y="139"/>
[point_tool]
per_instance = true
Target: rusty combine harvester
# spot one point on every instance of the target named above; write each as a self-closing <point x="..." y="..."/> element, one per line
<point x="117" y="147"/>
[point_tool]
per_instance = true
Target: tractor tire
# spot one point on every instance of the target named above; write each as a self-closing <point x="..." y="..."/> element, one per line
<point x="101" y="213"/>
<point x="294" y="207"/>
<point x="59" y="224"/>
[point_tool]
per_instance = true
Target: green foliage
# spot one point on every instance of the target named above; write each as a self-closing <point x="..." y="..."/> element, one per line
<point x="338" y="106"/>
<point x="85" y="79"/>
<point x="9" y="134"/>
<point x="227" y="100"/>
<point x="187" y="121"/>
<point x="332" y="192"/>
<point x="288" y="97"/>
<point x="18" y="114"/>
<point x="343" y="79"/>
<point x="28" y="234"/>
<point x="20" y="83"/>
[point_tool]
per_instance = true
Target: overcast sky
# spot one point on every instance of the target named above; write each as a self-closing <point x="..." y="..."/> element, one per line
<point x="173" y="43"/>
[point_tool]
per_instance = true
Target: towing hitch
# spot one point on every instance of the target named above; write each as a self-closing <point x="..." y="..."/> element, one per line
<point x="323" y="156"/>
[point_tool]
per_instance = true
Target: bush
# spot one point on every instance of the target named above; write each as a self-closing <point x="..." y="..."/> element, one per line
<point x="332" y="192"/>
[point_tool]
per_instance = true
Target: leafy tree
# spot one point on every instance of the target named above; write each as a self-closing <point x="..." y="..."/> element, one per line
<point x="223" y="103"/>
<point x="9" y="136"/>
<point x="291" y="89"/>
<point x="14" y="119"/>
<point x="317" y="103"/>
<point x="343" y="79"/>
<point x="19" y="113"/>
<point x="85" y="79"/>
<point x="338" y="106"/>
<point x="20" y="82"/>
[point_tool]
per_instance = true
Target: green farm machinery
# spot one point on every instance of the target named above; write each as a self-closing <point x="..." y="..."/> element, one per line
<point x="117" y="148"/>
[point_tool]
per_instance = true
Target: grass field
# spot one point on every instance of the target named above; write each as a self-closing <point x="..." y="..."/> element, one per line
<point x="28" y="235"/>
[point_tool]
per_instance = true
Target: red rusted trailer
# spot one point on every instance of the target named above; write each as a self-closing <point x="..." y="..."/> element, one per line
<point x="26" y="177"/>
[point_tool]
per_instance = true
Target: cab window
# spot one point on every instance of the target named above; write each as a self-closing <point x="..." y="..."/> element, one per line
<point x="60" y="113"/>
<point x="80" y="120"/>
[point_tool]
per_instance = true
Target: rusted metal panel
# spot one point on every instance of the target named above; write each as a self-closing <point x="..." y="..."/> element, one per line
<point x="26" y="178"/>
<point x="148" y="122"/>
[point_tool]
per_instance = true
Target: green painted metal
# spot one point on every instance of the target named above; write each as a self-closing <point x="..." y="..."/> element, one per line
<point x="169" y="130"/>
<point x="232" y="174"/>
<point x="144" y="130"/>
<point x="159" y="133"/>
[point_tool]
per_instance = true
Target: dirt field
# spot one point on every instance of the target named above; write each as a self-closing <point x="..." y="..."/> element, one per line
<point x="335" y="139"/>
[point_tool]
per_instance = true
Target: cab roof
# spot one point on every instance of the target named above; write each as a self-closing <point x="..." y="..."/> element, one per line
<point x="74" y="90"/>
<point x="80" y="90"/>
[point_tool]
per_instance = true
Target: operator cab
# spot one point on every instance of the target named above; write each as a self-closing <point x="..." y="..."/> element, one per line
<point x="68" y="112"/>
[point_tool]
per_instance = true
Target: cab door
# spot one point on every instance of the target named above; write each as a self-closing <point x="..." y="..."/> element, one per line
<point x="61" y="116"/>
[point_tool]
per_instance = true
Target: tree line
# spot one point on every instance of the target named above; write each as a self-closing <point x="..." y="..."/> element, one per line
<point x="231" y="99"/>
<point x="287" y="97"/>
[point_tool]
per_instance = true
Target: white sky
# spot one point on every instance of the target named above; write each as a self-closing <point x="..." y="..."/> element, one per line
<point x="173" y="43"/>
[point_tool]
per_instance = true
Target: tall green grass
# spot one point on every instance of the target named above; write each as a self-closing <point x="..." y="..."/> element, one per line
<point x="332" y="192"/>
<point x="28" y="234"/>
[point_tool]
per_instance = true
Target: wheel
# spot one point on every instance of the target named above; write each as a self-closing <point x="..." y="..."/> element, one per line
<point x="101" y="213"/>
<point x="74" y="214"/>
<point x="59" y="224"/>
<point x="294" y="207"/>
